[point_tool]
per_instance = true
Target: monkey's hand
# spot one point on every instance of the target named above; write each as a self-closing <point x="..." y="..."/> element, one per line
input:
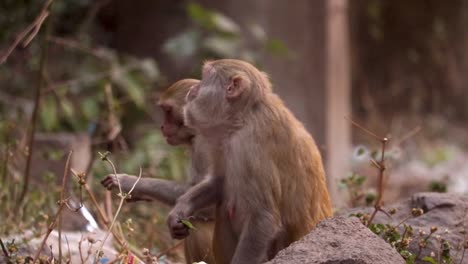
<point x="177" y="228"/>
<point x="111" y="182"/>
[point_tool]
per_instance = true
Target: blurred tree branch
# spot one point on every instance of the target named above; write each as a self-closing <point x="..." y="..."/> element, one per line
<point x="28" y="34"/>
<point x="37" y="98"/>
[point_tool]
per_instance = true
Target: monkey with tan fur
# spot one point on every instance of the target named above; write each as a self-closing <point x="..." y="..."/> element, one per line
<point x="171" y="101"/>
<point x="266" y="175"/>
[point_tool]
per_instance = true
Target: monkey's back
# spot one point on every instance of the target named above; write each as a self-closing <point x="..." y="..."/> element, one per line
<point x="304" y="199"/>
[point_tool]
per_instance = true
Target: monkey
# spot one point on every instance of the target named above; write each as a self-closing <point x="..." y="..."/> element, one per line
<point x="197" y="247"/>
<point x="266" y="175"/>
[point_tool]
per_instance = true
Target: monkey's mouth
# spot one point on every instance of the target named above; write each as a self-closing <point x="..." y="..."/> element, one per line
<point x="172" y="140"/>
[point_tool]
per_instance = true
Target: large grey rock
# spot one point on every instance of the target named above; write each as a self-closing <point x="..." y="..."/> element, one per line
<point x="447" y="212"/>
<point x="339" y="240"/>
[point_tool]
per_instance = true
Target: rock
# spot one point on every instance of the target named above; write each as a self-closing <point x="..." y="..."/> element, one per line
<point x="447" y="212"/>
<point x="339" y="240"/>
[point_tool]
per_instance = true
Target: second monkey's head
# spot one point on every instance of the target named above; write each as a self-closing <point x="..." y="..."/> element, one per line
<point x="172" y="101"/>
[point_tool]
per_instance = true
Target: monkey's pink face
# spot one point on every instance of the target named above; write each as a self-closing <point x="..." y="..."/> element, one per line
<point x="173" y="128"/>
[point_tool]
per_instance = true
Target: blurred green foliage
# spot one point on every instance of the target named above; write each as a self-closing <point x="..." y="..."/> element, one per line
<point x="214" y="35"/>
<point x="95" y="89"/>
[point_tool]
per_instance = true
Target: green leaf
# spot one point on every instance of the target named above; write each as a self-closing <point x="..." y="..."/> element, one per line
<point x="188" y="224"/>
<point x="48" y="114"/>
<point x="200" y="15"/>
<point x="131" y="86"/>
<point x="276" y="47"/>
<point x="429" y="260"/>
<point x="90" y="108"/>
<point x="360" y="179"/>
<point x="67" y="108"/>
<point x="150" y="69"/>
<point x="182" y="45"/>
<point x="222" y="46"/>
<point x="377" y="228"/>
<point x="225" y="24"/>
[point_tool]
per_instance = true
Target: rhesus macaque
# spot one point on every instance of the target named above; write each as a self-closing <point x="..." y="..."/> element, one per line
<point x="172" y="100"/>
<point x="266" y="175"/>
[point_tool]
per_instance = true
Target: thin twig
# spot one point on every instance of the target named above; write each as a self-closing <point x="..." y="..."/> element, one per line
<point x="7" y="158"/>
<point x="79" y="249"/>
<point x="35" y="25"/>
<point x="50" y="229"/>
<point x="73" y="44"/>
<point x="367" y="131"/>
<point x="122" y="195"/>
<point x="408" y="135"/>
<point x="68" y="246"/>
<point x="5" y="251"/>
<point x="93" y="198"/>
<point x="380" y="165"/>
<point x="37" y="98"/>
<point x="91" y="79"/>
<point x="380" y="192"/>
<point x="36" y="29"/>
<point x="167" y="250"/>
<point x="101" y="215"/>
<point x="62" y="197"/>
<point x="93" y="11"/>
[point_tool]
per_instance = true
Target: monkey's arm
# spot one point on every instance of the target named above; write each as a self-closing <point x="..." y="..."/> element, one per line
<point x="196" y="198"/>
<point x="161" y="190"/>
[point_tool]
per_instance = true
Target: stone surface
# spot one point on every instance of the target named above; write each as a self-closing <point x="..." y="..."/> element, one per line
<point x="339" y="240"/>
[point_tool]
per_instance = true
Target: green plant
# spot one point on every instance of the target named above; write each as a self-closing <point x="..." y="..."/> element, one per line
<point x="214" y="35"/>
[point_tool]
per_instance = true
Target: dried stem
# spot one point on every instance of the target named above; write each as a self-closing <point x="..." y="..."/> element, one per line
<point x="367" y="131"/>
<point x="50" y="228"/>
<point x="380" y="192"/>
<point x="73" y="44"/>
<point x="380" y="165"/>
<point x="408" y="135"/>
<point x="7" y="159"/>
<point x="37" y="98"/>
<point x="167" y="250"/>
<point x="122" y="195"/>
<point x="62" y="197"/>
<point x="35" y="26"/>
<point x="5" y="251"/>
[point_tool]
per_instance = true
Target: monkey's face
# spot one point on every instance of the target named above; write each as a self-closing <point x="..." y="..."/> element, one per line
<point x="173" y="128"/>
<point x="171" y="102"/>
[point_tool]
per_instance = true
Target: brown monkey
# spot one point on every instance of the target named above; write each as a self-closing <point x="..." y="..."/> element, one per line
<point x="266" y="174"/>
<point x="172" y="100"/>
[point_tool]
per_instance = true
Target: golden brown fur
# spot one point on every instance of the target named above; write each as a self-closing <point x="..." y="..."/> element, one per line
<point x="197" y="247"/>
<point x="267" y="177"/>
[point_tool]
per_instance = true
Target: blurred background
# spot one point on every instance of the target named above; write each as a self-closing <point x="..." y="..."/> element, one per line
<point x="86" y="76"/>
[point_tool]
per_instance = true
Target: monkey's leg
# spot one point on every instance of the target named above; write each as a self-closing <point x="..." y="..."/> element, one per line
<point x="257" y="235"/>
<point x="198" y="245"/>
<point x="224" y="239"/>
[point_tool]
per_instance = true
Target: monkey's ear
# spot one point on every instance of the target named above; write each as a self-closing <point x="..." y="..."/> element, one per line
<point x="236" y="86"/>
